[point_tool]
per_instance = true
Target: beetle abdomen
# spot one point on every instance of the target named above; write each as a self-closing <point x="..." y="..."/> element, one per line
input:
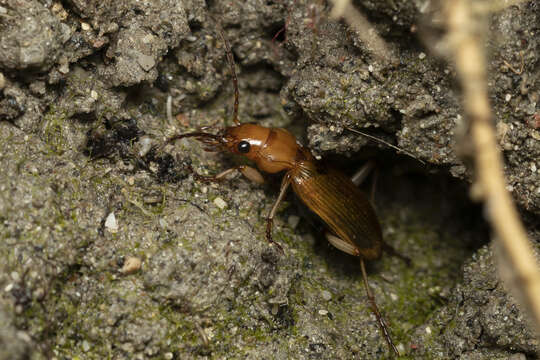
<point x="341" y="205"/>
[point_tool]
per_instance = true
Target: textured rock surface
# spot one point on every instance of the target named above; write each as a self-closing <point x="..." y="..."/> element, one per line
<point x="83" y="88"/>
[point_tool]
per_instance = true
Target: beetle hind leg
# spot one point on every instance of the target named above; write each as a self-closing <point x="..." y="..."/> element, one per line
<point x="389" y="249"/>
<point x="341" y="244"/>
<point x="378" y="315"/>
<point x="363" y="173"/>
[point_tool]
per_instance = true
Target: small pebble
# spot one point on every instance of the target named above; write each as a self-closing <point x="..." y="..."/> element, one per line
<point x="508" y="97"/>
<point x="111" y="224"/>
<point x="24" y="336"/>
<point x="63" y="68"/>
<point x="146" y="62"/>
<point x="422" y="56"/>
<point x="131" y="265"/>
<point x="163" y="223"/>
<point x="39" y="294"/>
<point x="57" y="7"/>
<point x="147" y="39"/>
<point x="145" y="144"/>
<point x="323" y="312"/>
<point x="113" y="27"/>
<point x="85" y="346"/>
<point x="85" y="26"/>
<point x="2" y="81"/>
<point x="293" y="221"/>
<point x="326" y="295"/>
<point x="220" y="203"/>
<point x="153" y="198"/>
<point x="428" y="330"/>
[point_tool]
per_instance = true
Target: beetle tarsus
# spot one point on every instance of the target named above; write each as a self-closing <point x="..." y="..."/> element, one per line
<point x="269" y="223"/>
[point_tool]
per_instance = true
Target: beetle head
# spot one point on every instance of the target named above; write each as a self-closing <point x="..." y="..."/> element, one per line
<point x="245" y="139"/>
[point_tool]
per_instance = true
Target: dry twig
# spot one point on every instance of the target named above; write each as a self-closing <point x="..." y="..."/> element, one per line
<point x="466" y="40"/>
<point x="492" y="6"/>
<point x="364" y="30"/>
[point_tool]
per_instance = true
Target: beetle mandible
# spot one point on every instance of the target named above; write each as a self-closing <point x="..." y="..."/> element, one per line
<point x="353" y="226"/>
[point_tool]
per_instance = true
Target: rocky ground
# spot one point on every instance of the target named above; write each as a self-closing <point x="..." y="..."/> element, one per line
<point x="110" y="248"/>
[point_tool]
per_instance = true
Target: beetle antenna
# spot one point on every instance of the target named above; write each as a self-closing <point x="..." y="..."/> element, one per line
<point x="385" y="143"/>
<point x="380" y="319"/>
<point x="206" y="138"/>
<point x="230" y="59"/>
<point x="197" y="134"/>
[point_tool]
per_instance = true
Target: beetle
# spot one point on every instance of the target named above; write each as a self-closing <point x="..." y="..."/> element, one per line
<point x="353" y="226"/>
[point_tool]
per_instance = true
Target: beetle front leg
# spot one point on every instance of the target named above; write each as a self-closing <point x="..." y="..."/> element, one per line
<point x="270" y="219"/>
<point x="251" y="173"/>
<point x="247" y="171"/>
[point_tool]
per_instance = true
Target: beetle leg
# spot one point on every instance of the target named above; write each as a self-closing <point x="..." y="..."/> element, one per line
<point x="251" y="173"/>
<point x="247" y="171"/>
<point x="380" y="319"/>
<point x="393" y="252"/>
<point x="357" y="179"/>
<point x="362" y="174"/>
<point x="270" y="219"/>
<point x="341" y="245"/>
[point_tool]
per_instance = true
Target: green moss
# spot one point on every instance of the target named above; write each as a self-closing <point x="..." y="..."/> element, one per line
<point x="53" y="134"/>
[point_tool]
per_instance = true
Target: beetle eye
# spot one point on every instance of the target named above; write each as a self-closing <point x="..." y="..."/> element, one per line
<point x="243" y="147"/>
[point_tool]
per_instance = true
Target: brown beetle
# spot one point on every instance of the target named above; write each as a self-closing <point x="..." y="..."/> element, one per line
<point x="351" y="220"/>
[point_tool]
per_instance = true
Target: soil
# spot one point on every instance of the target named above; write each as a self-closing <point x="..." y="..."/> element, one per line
<point x="111" y="248"/>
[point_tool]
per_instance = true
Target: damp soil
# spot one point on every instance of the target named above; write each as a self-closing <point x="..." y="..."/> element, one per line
<point x="87" y="184"/>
